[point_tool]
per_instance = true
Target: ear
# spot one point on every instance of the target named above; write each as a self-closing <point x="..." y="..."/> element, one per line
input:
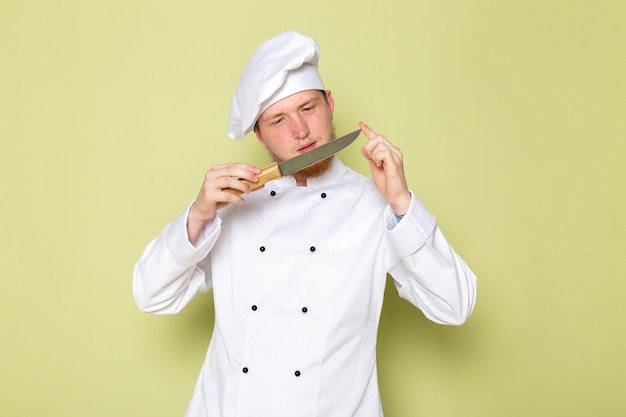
<point x="330" y="100"/>
<point x="257" y="132"/>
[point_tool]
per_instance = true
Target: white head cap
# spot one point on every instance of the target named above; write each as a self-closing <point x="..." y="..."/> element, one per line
<point x="282" y="66"/>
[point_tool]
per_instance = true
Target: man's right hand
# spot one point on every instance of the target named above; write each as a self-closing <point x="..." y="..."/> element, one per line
<point x="212" y="196"/>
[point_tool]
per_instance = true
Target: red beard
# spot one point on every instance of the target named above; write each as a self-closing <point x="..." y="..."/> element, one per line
<point x="317" y="169"/>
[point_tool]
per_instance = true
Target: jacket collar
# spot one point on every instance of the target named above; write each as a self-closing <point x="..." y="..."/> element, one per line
<point x="336" y="170"/>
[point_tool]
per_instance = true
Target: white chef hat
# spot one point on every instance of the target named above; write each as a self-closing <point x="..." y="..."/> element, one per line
<point x="280" y="67"/>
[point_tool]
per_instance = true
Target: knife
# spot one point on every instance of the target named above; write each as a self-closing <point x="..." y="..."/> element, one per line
<point x="290" y="166"/>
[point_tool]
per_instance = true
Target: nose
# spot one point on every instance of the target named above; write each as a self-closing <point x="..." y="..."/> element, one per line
<point x="300" y="128"/>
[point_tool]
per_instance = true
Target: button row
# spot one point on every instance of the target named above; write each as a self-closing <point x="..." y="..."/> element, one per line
<point x="312" y="248"/>
<point x="273" y="194"/>
<point x="245" y="370"/>
<point x="254" y="307"/>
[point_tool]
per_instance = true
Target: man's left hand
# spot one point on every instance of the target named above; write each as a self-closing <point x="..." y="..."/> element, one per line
<point x="387" y="170"/>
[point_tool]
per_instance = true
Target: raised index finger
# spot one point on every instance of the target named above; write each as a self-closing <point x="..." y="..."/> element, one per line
<point x="367" y="131"/>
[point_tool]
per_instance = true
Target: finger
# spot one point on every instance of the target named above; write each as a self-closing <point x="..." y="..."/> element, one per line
<point x="238" y="184"/>
<point x="382" y="153"/>
<point x="379" y="143"/>
<point x="374" y="138"/>
<point x="212" y="191"/>
<point x="367" y="156"/>
<point x="375" y="155"/>
<point x="234" y="169"/>
<point x="367" y="131"/>
<point x="235" y="165"/>
<point x="241" y="171"/>
<point x="374" y="146"/>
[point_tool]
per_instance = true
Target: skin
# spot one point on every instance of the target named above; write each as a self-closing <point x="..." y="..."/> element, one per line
<point x="297" y="124"/>
<point x="291" y="126"/>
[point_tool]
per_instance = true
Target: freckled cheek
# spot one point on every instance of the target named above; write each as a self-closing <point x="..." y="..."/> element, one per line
<point x="281" y="150"/>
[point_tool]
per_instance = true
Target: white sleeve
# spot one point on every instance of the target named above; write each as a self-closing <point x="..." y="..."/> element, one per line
<point x="430" y="275"/>
<point x="171" y="271"/>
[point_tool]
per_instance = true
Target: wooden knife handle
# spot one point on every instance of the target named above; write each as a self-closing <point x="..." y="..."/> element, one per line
<point x="269" y="173"/>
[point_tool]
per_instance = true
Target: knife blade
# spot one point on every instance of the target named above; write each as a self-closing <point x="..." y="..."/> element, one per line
<point x="297" y="163"/>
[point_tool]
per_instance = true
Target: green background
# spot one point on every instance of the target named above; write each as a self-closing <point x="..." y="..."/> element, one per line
<point x="511" y="116"/>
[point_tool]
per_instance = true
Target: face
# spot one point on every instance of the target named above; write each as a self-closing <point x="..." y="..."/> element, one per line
<point x="297" y="124"/>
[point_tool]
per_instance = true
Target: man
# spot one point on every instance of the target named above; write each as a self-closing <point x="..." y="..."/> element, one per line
<point x="298" y="267"/>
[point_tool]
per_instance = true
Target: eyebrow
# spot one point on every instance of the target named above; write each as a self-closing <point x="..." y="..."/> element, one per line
<point x="271" y="116"/>
<point x="307" y="103"/>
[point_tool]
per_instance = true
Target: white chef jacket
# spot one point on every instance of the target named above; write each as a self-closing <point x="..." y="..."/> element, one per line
<point x="298" y="277"/>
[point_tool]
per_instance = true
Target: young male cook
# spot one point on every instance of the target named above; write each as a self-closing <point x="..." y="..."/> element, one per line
<point x="298" y="267"/>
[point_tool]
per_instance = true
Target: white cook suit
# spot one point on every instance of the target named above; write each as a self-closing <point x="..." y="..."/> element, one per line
<point x="298" y="277"/>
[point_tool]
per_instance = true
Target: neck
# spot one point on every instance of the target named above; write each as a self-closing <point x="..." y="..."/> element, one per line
<point x="300" y="181"/>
